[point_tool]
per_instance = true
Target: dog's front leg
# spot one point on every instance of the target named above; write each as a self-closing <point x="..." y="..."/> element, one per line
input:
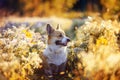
<point x="47" y="69"/>
<point x="62" y="68"/>
<point x="49" y="74"/>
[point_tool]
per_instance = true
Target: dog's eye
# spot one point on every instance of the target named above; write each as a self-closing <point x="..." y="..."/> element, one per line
<point x="60" y="35"/>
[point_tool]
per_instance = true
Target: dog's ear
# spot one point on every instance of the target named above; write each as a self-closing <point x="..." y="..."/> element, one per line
<point x="58" y="26"/>
<point x="49" y="29"/>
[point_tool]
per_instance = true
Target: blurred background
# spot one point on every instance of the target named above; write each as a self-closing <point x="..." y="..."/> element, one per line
<point x="92" y="25"/>
<point x="107" y="9"/>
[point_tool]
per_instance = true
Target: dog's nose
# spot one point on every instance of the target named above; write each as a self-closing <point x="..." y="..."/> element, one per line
<point x="68" y="40"/>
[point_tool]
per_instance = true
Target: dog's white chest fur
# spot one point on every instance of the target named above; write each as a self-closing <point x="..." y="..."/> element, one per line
<point x="55" y="55"/>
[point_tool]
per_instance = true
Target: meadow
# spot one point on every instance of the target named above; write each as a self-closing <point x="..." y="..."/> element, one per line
<point x="93" y="53"/>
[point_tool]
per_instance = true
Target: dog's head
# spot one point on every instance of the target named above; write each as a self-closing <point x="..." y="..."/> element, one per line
<point x="56" y="36"/>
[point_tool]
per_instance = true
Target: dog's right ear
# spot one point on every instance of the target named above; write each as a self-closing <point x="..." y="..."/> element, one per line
<point x="49" y="29"/>
<point x="58" y="26"/>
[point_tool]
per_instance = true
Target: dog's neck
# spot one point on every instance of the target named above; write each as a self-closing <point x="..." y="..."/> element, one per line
<point x="56" y="48"/>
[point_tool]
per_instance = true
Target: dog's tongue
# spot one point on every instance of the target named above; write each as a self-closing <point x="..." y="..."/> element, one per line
<point x="65" y="44"/>
<point x="60" y="43"/>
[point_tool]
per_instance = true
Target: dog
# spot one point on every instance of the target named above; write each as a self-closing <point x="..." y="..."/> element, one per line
<point x="56" y="51"/>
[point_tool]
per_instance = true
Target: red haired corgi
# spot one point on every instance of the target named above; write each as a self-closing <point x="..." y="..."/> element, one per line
<point x="56" y="51"/>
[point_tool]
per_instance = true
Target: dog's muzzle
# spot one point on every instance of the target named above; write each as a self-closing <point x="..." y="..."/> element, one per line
<point x="63" y="42"/>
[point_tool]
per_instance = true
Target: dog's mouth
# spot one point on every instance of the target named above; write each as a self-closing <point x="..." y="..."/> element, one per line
<point x="58" y="42"/>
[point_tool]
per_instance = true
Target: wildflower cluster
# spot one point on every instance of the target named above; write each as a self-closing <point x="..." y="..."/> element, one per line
<point x="20" y="51"/>
<point x="94" y="55"/>
<point x="97" y="51"/>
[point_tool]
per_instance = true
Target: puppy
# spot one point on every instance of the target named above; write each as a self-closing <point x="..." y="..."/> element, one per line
<point x="56" y="51"/>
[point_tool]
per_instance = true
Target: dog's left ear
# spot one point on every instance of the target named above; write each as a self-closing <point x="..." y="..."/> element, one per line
<point x="58" y="26"/>
<point x="49" y="29"/>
